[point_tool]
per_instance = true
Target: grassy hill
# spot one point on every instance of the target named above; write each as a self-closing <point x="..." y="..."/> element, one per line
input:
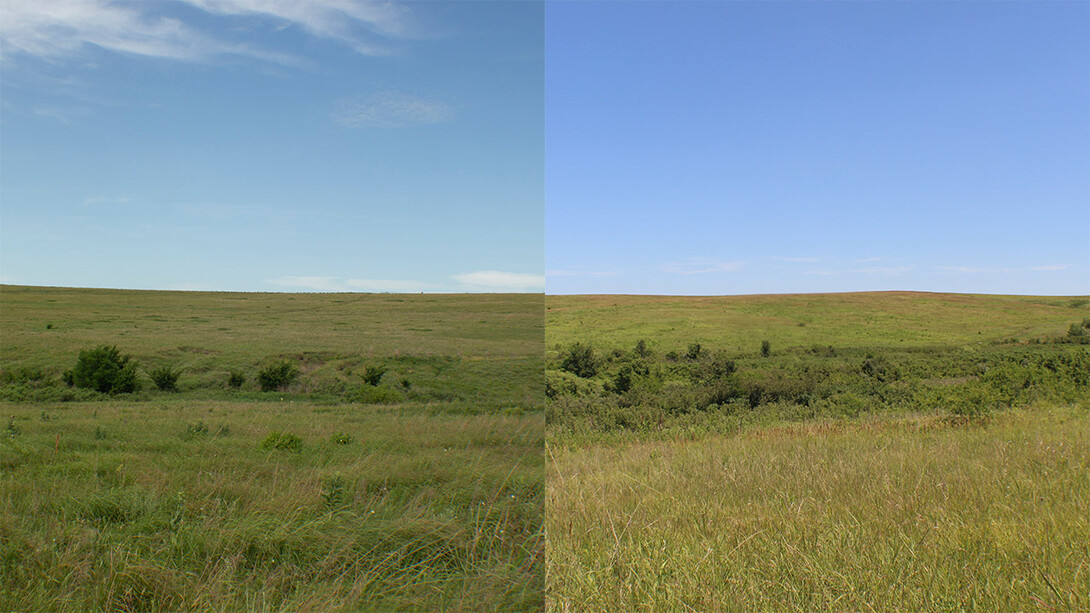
<point x="883" y="452"/>
<point x="873" y="319"/>
<point x="424" y="492"/>
<point x="447" y="346"/>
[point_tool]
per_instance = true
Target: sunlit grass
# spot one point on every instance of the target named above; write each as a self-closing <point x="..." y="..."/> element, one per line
<point x="134" y="506"/>
<point x="875" y="514"/>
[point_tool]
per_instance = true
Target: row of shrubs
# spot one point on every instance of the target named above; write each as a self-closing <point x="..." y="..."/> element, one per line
<point x="105" y="369"/>
<point x="637" y="389"/>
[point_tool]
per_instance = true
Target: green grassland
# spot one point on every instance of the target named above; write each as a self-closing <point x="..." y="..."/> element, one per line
<point x="872" y="319"/>
<point x="421" y="496"/>
<point x="883" y="452"/>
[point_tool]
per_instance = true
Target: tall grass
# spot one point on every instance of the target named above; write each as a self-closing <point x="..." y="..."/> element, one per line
<point x="177" y="506"/>
<point x="874" y="514"/>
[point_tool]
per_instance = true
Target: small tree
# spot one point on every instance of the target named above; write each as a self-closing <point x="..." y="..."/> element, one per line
<point x="766" y="349"/>
<point x="165" y="378"/>
<point x="277" y="376"/>
<point x="642" y="349"/>
<point x="104" y="369"/>
<point x="579" y="360"/>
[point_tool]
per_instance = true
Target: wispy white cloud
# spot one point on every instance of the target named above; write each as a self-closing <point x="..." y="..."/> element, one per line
<point x="499" y="280"/>
<point x="357" y="23"/>
<point x="389" y="109"/>
<point x="696" y="266"/>
<point x="57" y="28"/>
<point x="61" y="27"/>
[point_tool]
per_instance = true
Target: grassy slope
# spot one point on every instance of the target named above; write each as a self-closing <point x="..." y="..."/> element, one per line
<point x="128" y="503"/>
<point x="872" y="319"/>
<point x="880" y="512"/>
<point x="439" y="341"/>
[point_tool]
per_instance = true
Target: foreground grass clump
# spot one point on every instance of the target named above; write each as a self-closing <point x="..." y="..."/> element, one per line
<point x="886" y="514"/>
<point x="177" y="507"/>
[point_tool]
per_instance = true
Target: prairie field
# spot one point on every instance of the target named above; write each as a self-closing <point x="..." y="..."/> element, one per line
<point x="858" y="452"/>
<point x="422" y="491"/>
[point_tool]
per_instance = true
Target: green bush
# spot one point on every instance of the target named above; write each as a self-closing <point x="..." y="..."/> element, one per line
<point x="766" y="349"/>
<point x="372" y="375"/>
<point x="579" y="360"/>
<point x="165" y="378"/>
<point x="282" y="440"/>
<point x="277" y="376"/>
<point x="235" y="379"/>
<point x="694" y="351"/>
<point x="104" y="369"/>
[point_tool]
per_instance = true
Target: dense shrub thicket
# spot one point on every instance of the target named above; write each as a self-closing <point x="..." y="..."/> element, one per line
<point x="631" y="389"/>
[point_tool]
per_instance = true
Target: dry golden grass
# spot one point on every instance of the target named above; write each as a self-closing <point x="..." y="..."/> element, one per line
<point x="878" y="514"/>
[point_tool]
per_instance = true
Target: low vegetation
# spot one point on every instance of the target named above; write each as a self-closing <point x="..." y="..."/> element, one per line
<point x="818" y="453"/>
<point x="420" y="491"/>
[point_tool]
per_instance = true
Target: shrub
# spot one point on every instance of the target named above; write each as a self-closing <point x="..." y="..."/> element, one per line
<point x="973" y="403"/>
<point x="195" y="430"/>
<point x="694" y="351"/>
<point x="719" y="367"/>
<point x="235" y="379"/>
<point x="104" y="369"/>
<point x="642" y="349"/>
<point x="373" y="374"/>
<point x="579" y="360"/>
<point x="277" y="376"/>
<point x="622" y="381"/>
<point x="282" y="440"/>
<point x="165" y="378"/>
<point x="766" y="349"/>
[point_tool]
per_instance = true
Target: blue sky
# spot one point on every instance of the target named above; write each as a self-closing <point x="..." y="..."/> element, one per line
<point x="272" y="146"/>
<point x="764" y="147"/>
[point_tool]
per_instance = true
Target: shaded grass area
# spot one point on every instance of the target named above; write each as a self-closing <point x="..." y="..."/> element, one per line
<point x="876" y="513"/>
<point x="127" y="506"/>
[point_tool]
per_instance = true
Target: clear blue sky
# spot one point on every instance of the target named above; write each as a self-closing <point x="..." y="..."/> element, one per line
<point x="273" y="146"/>
<point x="753" y="147"/>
